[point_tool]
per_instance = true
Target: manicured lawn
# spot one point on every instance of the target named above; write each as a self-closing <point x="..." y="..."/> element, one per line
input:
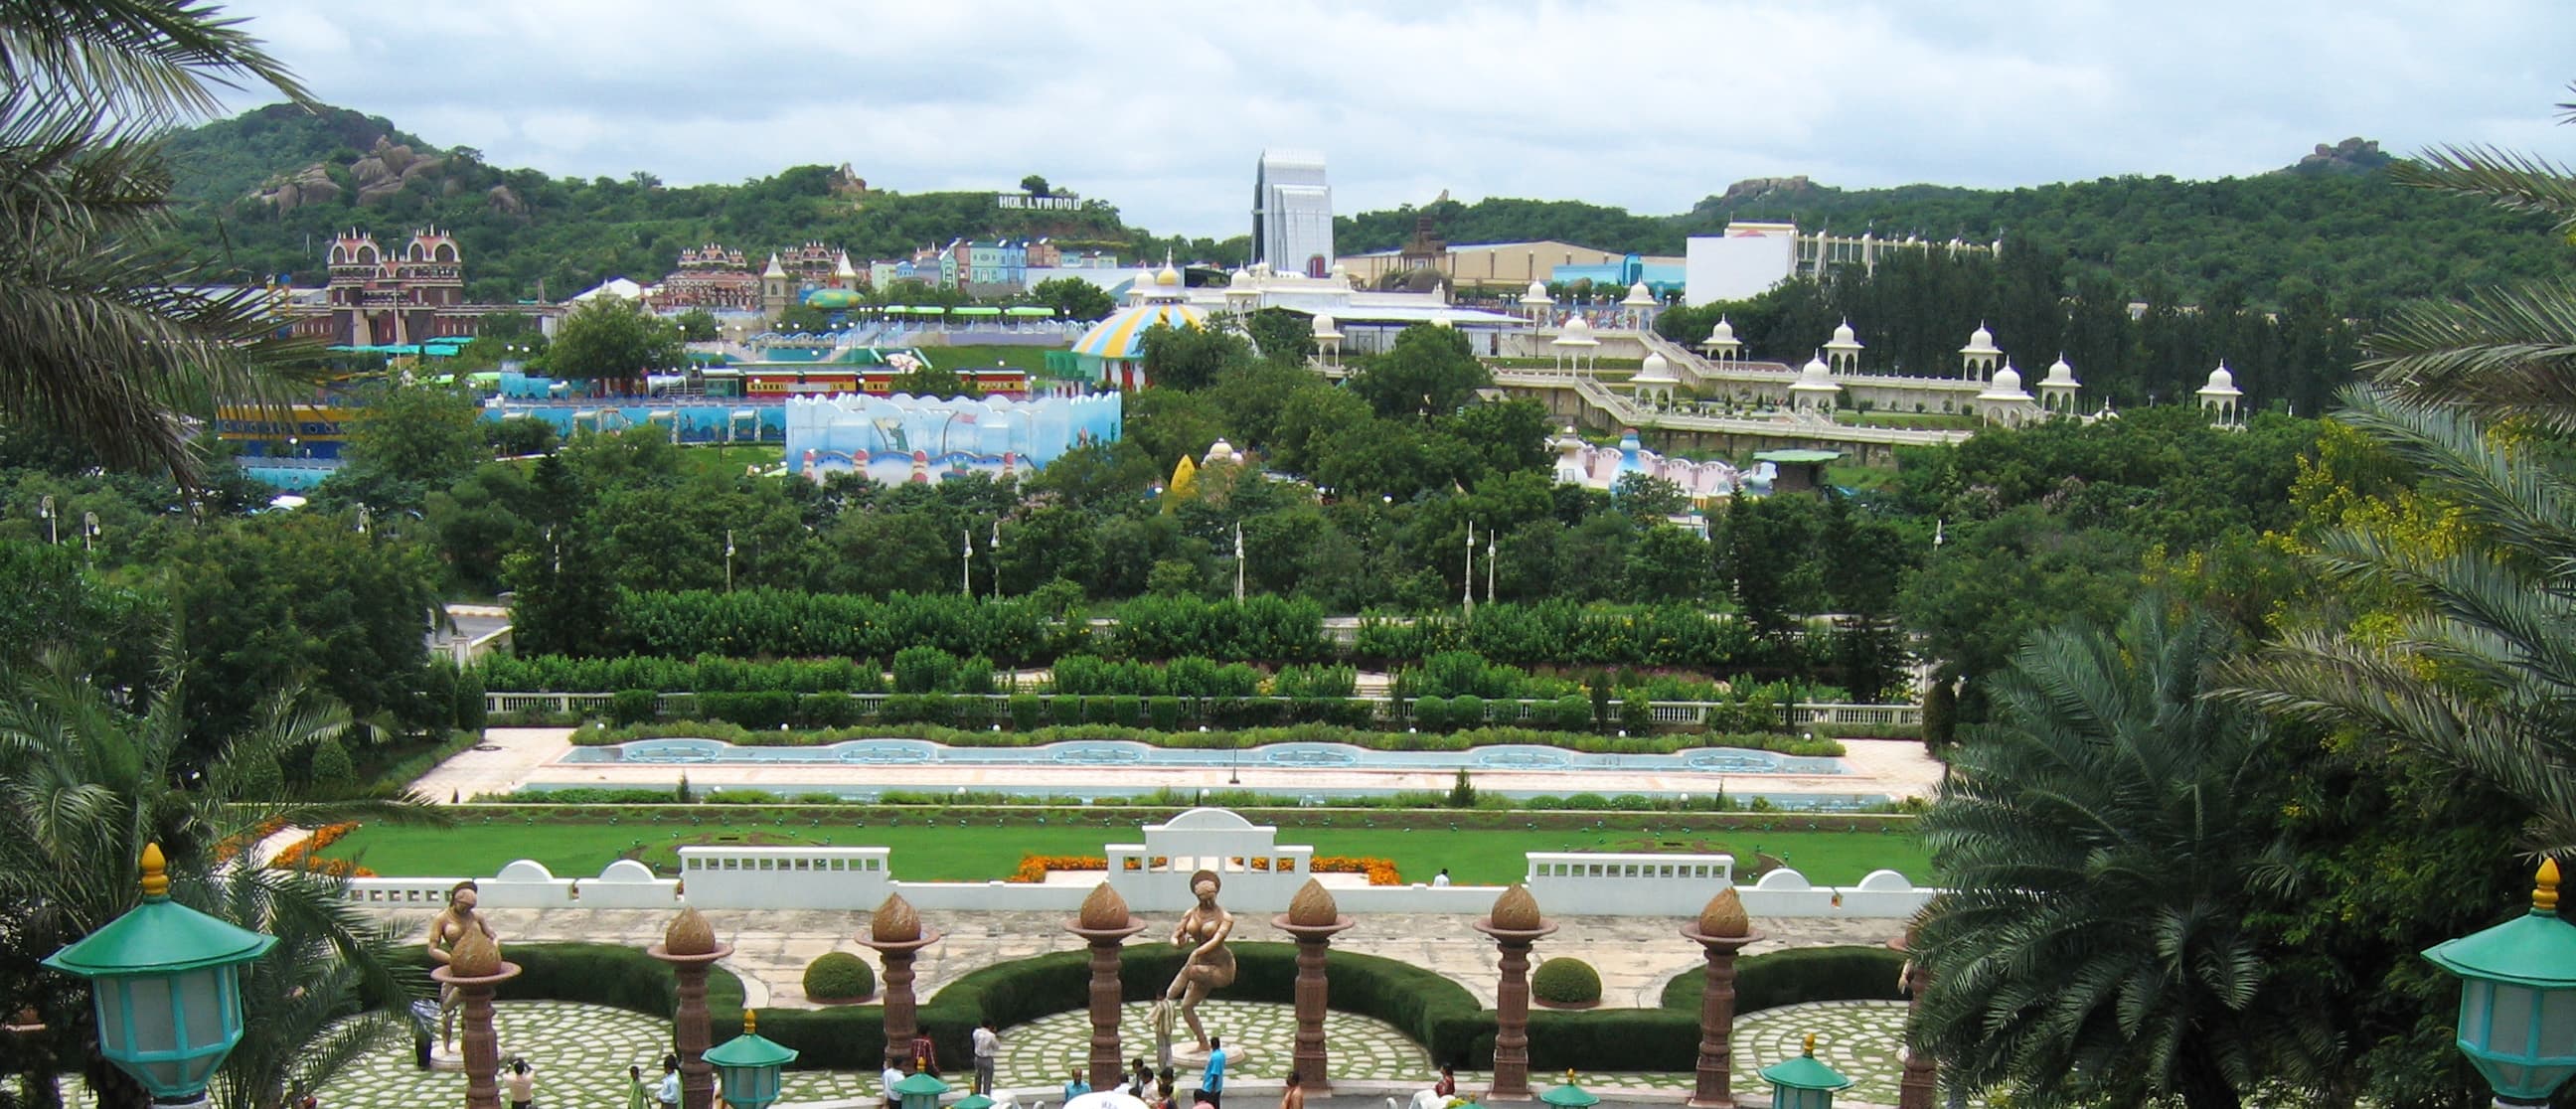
<point x="730" y="461"/>
<point x="952" y="853"/>
<point x="1031" y="359"/>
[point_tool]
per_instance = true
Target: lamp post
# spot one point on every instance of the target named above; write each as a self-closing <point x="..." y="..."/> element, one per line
<point x="966" y="563"/>
<point x="89" y="532"/>
<point x="2518" y="997"/>
<point x="747" y="1065"/>
<point x="1804" y="1083"/>
<point x="728" y="560"/>
<point x="165" y="981"/>
<point x="994" y="548"/>
<point x="1467" y="587"/>
<point x="45" y="508"/>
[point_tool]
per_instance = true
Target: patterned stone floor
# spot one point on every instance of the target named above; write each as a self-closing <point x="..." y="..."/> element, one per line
<point x="581" y="1053"/>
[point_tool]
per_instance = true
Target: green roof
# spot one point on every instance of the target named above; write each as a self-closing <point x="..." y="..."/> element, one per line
<point x="2534" y="949"/>
<point x="921" y="1084"/>
<point x="1804" y="1073"/>
<point x="1569" y="1096"/>
<point x="1796" y="455"/>
<point x="160" y="936"/>
<point x="749" y="1050"/>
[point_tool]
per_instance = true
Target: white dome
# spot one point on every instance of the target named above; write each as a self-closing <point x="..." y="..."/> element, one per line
<point x="1537" y="294"/>
<point x="1980" y="341"/>
<point x="2220" y="380"/>
<point x="1323" y="323"/>
<point x="1337" y="272"/>
<point x="1843" y="334"/>
<point x="1239" y="279"/>
<point x="2059" y="373"/>
<point x="1220" y="451"/>
<point x="2007" y="380"/>
<point x="1639" y="296"/>
<point x="1577" y="324"/>
<point x="1442" y="321"/>
<point x="1816" y="370"/>
<point x="1656" y="369"/>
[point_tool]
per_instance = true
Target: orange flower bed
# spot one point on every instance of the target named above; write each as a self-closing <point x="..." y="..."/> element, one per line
<point x="1381" y="872"/>
<point x="301" y="854"/>
<point x="1034" y="868"/>
<point x="230" y="846"/>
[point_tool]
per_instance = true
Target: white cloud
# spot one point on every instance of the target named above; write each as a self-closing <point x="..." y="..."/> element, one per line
<point x="1162" y="107"/>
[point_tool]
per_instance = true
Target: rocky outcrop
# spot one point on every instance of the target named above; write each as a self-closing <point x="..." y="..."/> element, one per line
<point x="1757" y="188"/>
<point x="381" y="172"/>
<point x="499" y="198"/>
<point x="2353" y="155"/>
<point x="310" y="185"/>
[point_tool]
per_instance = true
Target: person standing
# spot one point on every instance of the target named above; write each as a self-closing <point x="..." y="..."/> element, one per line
<point x="893" y="1074"/>
<point x="523" y="1085"/>
<point x="1294" y="1097"/>
<point x="1212" y="1083"/>
<point x="668" y="1093"/>
<point x="1441" y="879"/>
<point x="1075" y="1087"/>
<point x="637" y="1097"/>
<point x="925" y="1055"/>
<point x="988" y="1051"/>
<point x="1140" y="1080"/>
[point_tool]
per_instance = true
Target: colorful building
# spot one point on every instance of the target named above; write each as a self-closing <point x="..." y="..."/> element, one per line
<point x="381" y="297"/>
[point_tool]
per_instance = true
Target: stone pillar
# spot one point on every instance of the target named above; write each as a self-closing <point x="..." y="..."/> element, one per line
<point x="473" y="968"/>
<point x="690" y="946"/>
<point x="1515" y="924"/>
<point x="897" y="936"/>
<point x="1920" y="1086"/>
<point x="1105" y="924"/>
<point x="1721" y="930"/>
<point x="1312" y="918"/>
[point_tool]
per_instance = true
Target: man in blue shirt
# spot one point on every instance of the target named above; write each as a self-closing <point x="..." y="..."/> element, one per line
<point x="1077" y="1087"/>
<point x="1212" y="1084"/>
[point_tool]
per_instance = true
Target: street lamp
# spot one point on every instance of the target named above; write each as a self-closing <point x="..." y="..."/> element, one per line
<point x="165" y="983"/>
<point x="45" y="508"/>
<point x="2518" y="997"/>
<point x="1804" y="1083"/>
<point x="747" y="1065"/>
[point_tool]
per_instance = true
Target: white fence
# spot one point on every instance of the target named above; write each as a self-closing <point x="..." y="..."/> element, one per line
<point x="973" y="709"/>
<point x="1259" y="876"/>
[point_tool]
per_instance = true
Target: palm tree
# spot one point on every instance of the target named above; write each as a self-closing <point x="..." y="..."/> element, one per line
<point x="107" y="340"/>
<point x="2506" y="352"/>
<point x="85" y="782"/>
<point x="2103" y="840"/>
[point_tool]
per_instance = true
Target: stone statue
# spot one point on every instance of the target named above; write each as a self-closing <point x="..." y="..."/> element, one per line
<point x="450" y="926"/>
<point x="1210" y="966"/>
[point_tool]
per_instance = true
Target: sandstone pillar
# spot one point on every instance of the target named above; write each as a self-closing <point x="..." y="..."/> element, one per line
<point x="1515" y="924"/>
<point x="1312" y="918"/>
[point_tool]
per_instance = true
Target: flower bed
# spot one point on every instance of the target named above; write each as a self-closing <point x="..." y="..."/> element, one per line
<point x="300" y="855"/>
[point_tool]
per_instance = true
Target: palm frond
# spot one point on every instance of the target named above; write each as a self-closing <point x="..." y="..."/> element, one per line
<point x="151" y="58"/>
<point x="2503" y="351"/>
<point x="2521" y="182"/>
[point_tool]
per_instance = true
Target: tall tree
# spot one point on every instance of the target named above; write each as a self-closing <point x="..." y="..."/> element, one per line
<point x="2103" y="843"/>
<point x="611" y="339"/>
<point x="108" y="340"/>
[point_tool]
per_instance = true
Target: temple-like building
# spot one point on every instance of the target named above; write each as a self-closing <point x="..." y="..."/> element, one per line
<point x="711" y="277"/>
<point x="384" y="297"/>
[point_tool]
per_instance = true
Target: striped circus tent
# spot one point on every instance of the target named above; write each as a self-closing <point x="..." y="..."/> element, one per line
<point x="1114" y="347"/>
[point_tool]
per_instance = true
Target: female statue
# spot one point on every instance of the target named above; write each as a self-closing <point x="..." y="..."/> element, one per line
<point x="1209" y="967"/>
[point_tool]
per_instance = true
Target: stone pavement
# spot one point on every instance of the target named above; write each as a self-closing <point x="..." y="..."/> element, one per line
<point x="581" y="1053"/>
<point x="1635" y="955"/>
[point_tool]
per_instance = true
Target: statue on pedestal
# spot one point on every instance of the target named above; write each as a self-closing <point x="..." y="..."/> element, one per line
<point x="1210" y="965"/>
<point x="446" y="930"/>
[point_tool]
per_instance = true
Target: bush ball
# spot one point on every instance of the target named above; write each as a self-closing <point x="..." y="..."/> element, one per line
<point x="841" y="976"/>
<point x="1566" y="982"/>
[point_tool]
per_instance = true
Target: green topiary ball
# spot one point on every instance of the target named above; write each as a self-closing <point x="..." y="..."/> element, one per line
<point x="1566" y="982"/>
<point x="841" y="976"/>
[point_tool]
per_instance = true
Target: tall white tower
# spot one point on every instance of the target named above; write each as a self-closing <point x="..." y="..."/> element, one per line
<point x="1292" y="213"/>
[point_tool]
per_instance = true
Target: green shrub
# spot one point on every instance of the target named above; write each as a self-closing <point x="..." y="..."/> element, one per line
<point x="1431" y="714"/>
<point x="975" y="675"/>
<point x="1566" y="981"/>
<point x="827" y="710"/>
<point x="469" y="700"/>
<point x="763" y="710"/>
<point x="1026" y="712"/>
<point x="1164" y="712"/>
<point x="839" y="976"/>
<point x="1067" y="711"/>
<point x="1466" y="710"/>
<point x="634" y="706"/>
<point x="1127" y="711"/>
<point x="1799" y="975"/>
<point x="331" y="765"/>
<point x="923" y="670"/>
<point x="1636" y="714"/>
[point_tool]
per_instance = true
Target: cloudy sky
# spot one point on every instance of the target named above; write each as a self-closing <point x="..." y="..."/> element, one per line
<point x="1162" y="108"/>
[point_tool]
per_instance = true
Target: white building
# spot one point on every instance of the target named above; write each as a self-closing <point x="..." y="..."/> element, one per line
<point x="1292" y="214"/>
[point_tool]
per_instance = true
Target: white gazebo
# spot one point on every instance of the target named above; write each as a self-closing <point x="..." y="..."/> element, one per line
<point x="1641" y="306"/>
<point x="2220" y="396"/>
<point x="2057" y="390"/>
<point x="1980" y="356"/>
<point x="1541" y="306"/>
<point x="1722" y="346"/>
<point x="1653" y="385"/>
<point x="1815" y="390"/>
<point x="1576" y="349"/>
<point x="1842" y="352"/>
<point x="1328" y="340"/>
<point x="2004" y="402"/>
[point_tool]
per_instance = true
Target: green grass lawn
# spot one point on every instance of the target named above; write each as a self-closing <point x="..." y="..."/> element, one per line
<point x="1031" y="359"/>
<point x="952" y="853"/>
<point x="730" y="460"/>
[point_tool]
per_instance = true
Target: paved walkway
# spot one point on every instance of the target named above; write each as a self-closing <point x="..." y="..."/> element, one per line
<point x="1635" y="955"/>
<point x="581" y="1054"/>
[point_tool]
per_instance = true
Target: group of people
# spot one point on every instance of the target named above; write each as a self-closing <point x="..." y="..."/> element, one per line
<point x="1157" y="1088"/>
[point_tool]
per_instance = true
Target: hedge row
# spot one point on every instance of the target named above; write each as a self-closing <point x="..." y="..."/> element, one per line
<point x="1464" y="740"/>
<point x="1439" y="1014"/>
<point x="1013" y="631"/>
<point x="1565" y="632"/>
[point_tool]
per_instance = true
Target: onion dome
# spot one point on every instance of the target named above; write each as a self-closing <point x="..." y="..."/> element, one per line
<point x="1724" y="916"/>
<point x="1980" y="341"/>
<point x="2220" y="380"/>
<point x="1815" y="370"/>
<point x="1537" y="294"/>
<point x="1325" y="326"/>
<point x="1169" y="278"/>
<point x="1656" y="370"/>
<point x="1639" y="296"/>
<point x="1843" y="333"/>
<point x="1313" y="907"/>
<point x="896" y="921"/>
<point x="1104" y="910"/>
<point x="1721" y="335"/>
<point x="476" y="955"/>
<point x="2008" y="379"/>
<point x="1516" y="911"/>
<point x="1577" y="324"/>
<point x="689" y="934"/>
<point x="2059" y="373"/>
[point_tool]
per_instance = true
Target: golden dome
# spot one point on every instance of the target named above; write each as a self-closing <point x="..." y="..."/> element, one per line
<point x="1104" y="910"/>
<point x="689" y="934"/>
<point x="896" y="921"/>
<point x="1516" y="911"/>
<point x="475" y="956"/>
<point x="1724" y="916"/>
<point x="1313" y="906"/>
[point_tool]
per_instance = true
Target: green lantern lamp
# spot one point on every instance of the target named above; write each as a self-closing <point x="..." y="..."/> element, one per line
<point x="972" y="1101"/>
<point x="747" y="1065"/>
<point x="2518" y="997"/>
<point x="921" y="1091"/>
<point x="1803" y="1082"/>
<point x="165" y="981"/>
<point x="1569" y="1095"/>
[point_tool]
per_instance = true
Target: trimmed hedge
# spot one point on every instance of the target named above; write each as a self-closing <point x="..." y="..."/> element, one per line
<point x="1798" y="975"/>
<point x="838" y="976"/>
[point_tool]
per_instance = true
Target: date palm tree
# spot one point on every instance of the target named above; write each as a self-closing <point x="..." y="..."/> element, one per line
<point x="86" y="780"/>
<point x="103" y="338"/>
<point x="2104" y="840"/>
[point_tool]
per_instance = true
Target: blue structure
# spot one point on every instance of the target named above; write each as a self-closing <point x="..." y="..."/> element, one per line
<point x="1663" y="279"/>
<point x="909" y="439"/>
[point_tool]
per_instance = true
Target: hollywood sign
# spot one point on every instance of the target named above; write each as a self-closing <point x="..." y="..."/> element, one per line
<point x="1045" y="203"/>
